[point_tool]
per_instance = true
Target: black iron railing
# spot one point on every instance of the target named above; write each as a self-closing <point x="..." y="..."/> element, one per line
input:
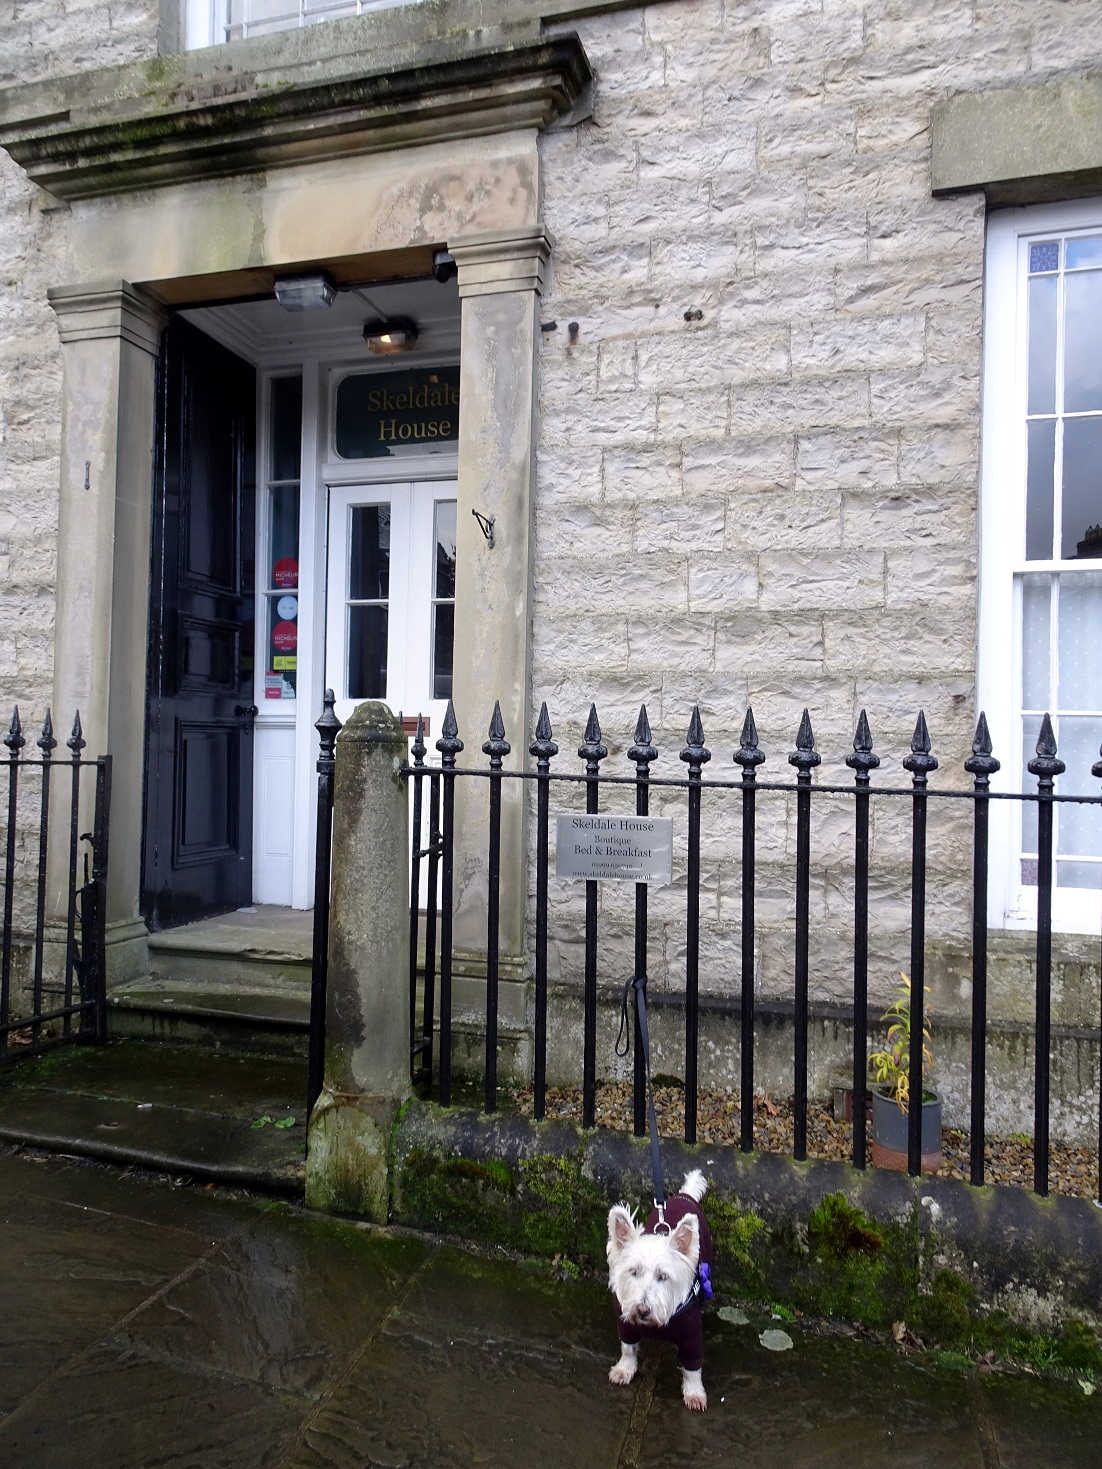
<point x="328" y="727"/>
<point x="436" y="845"/>
<point x="36" y="1015"/>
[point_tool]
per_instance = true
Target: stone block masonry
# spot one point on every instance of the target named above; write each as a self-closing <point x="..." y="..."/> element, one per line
<point x="41" y="39"/>
<point x="773" y="393"/>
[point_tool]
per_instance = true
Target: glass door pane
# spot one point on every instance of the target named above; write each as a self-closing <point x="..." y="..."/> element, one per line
<point x="366" y="597"/>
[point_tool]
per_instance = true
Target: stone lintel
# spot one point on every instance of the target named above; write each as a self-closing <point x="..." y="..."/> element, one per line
<point x="106" y="309"/>
<point x="81" y="141"/>
<point x="502" y="260"/>
<point x="1025" y="144"/>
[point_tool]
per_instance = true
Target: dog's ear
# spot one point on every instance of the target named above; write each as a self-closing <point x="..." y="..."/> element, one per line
<point x="622" y="1228"/>
<point x="686" y="1238"/>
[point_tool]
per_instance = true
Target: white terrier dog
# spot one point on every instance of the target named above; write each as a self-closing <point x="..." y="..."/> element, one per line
<point x="658" y="1276"/>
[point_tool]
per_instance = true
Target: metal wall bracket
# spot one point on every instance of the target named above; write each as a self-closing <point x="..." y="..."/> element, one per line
<point x="486" y="526"/>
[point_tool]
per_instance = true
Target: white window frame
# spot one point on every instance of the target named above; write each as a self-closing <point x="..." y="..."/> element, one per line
<point x="1002" y="549"/>
<point x="203" y="25"/>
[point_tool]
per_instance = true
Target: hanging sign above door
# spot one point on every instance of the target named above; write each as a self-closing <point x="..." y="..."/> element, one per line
<point x="384" y="413"/>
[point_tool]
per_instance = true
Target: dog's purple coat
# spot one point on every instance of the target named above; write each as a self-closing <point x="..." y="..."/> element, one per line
<point x="685" y="1329"/>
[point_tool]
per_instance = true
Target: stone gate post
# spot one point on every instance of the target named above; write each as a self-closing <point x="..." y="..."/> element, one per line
<point x="367" y="1006"/>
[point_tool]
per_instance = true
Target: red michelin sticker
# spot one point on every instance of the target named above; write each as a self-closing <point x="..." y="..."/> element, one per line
<point x="285" y="572"/>
<point x="285" y="637"/>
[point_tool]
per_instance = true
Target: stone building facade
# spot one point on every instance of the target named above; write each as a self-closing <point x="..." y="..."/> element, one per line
<point x="721" y="331"/>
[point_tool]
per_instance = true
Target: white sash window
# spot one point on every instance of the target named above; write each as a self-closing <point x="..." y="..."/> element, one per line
<point x="1040" y="646"/>
<point x="212" y="22"/>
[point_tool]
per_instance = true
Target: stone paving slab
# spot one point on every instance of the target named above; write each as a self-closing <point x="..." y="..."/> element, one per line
<point x="143" y="1325"/>
<point x="178" y="1109"/>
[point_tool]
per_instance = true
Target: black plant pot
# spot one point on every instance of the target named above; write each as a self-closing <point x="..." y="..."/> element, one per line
<point x="889" y="1133"/>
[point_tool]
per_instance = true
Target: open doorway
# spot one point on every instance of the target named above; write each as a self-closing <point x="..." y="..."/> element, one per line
<point x="316" y="481"/>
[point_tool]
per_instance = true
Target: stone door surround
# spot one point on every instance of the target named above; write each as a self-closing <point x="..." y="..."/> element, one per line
<point x="471" y="184"/>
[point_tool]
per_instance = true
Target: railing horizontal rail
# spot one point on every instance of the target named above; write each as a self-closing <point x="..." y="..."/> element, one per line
<point x="821" y="789"/>
<point x="41" y="1017"/>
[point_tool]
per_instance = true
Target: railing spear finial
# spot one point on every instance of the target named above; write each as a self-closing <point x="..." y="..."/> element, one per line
<point x="46" y="742"/>
<point x="805" y="756"/>
<point x="920" y="761"/>
<point x="418" y="749"/>
<point x="497" y="746"/>
<point x="696" y="754"/>
<point x="543" y="746"/>
<point x="864" y="757"/>
<point x="749" y="753"/>
<point x="14" y="737"/>
<point x="643" y="750"/>
<point x="982" y="763"/>
<point x="1046" y="763"/>
<point x="76" y="741"/>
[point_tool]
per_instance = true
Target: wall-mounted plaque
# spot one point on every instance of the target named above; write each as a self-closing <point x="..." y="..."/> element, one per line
<point x="614" y="848"/>
<point x="385" y="413"/>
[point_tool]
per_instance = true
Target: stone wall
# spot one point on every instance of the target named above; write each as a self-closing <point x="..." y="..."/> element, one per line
<point x="759" y="454"/>
<point x="43" y="38"/>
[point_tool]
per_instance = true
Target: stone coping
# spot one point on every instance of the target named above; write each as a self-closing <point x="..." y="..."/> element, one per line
<point x="230" y="110"/>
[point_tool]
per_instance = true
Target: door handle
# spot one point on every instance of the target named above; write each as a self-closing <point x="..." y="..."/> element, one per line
<point x="246" y="711"/>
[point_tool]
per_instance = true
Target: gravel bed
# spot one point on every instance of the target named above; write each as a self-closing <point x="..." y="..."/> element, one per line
<point x="1072" y="1170"/>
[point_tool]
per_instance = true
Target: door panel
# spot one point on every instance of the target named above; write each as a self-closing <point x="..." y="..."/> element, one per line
<point x="197" y="850"/>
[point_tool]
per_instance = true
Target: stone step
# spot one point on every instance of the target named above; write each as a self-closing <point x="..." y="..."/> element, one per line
<point x="178" y="1110"/>
<point x="271" y="1020"/>
<point x="239" y="981"/>
<point x="261" y="947"/>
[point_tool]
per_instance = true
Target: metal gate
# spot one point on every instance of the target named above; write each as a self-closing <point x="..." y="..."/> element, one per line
<point x="52" y="982"/>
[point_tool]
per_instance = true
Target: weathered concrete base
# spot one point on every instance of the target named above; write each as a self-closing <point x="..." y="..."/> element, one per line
<point x="346" y="1158"/>
<point x="961" y="1265"/>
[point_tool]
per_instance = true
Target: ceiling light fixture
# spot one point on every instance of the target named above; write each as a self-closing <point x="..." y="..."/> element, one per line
<point x="305" y="292"/>
<point x="398" y="334"/>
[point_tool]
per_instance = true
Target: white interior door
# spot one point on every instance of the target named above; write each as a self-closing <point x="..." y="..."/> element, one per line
<point x="391" y="597"/>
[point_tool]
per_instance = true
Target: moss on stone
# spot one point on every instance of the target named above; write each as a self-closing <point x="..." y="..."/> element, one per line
<point x="947" y="1311"/>
<point x="457" y="1196"/>
<point x="836" y="1229"/>
<point x="1077" y="1347"/>
<point x="854" y="1268"/>
<point x="737" y="1237"/>
<point x="563" y="1212"/>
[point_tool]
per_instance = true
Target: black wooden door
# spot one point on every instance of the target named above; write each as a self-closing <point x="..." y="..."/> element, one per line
<point x="197" y="849"/>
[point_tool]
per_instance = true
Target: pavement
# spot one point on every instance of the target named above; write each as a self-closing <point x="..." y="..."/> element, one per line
<point x="149" y="1323"/>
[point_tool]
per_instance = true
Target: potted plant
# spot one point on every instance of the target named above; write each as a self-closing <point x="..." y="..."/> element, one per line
<point x="891" y="1093"/>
